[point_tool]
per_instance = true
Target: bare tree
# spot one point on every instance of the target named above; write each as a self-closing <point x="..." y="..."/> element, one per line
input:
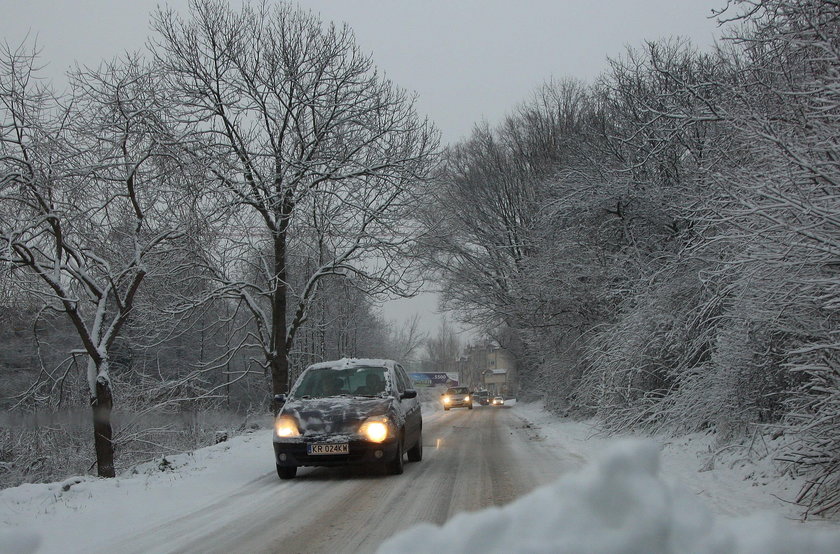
<point x="444" y="348"/>
<point x="88" y="203"/>
<point x="305" y="142"/>
<point x="778" y="214"/>
<point x="406" y="339"/>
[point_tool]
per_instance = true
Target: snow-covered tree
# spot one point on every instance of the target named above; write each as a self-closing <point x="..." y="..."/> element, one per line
<point x="444" y="348"/>
<point x="90" y="202"/>
<point x="305" y="142"/>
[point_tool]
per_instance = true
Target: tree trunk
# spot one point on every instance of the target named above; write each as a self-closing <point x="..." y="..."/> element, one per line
<point x="102" y="405"/>
<point x="280" y="351"/>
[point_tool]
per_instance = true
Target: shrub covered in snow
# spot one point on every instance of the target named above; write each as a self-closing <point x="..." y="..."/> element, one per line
<point x="678" y="266"/>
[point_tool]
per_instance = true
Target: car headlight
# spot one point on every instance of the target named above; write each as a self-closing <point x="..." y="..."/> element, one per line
<point x="466" y="399"/>
<point x="446" y="399"/>
<point x="376" y="429"/>
<point x="286" y="426"/>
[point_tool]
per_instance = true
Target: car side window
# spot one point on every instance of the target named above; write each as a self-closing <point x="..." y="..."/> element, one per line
<point x="404" y="379"/>
<point x="399" y="384"/>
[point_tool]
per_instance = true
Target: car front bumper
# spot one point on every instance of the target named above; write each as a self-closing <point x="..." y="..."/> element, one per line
<point x="289" y="454"/>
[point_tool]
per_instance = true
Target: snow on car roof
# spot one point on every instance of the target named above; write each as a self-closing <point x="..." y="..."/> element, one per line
<point x="345" y="363"/>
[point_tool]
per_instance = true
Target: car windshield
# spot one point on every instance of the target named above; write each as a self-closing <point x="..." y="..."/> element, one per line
<point x="355" y="381"/>
<point x="457" y="390"/>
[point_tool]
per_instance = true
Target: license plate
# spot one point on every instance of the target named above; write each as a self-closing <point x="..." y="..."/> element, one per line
<point x="328" y="448"/>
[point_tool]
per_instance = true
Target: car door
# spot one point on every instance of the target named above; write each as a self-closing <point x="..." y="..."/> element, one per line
<point x="411" y="408"/>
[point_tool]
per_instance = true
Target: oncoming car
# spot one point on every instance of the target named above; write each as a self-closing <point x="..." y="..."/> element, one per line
<point x="456" y="397"/>
<point x="349" y="411"/>
<point x="497" y="401"/>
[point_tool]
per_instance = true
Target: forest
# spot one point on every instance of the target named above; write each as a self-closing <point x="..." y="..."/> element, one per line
<point x="661" y="247"/>
<point x="184" y="229"/>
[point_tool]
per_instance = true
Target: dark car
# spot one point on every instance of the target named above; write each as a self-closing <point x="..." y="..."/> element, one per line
<point x="456" y="397"/>
<point x="483" y="397"/>
<point x="350" y="411"/>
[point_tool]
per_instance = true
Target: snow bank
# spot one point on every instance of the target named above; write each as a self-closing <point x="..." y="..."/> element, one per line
<point x="619" y="505"/>
<point x="81" y="514"/>
<point x="19" y="541"/>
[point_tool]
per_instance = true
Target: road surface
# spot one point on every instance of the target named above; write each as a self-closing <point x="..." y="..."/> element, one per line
<point x="471" y="459"/>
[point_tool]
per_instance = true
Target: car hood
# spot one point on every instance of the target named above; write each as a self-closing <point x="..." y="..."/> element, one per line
<point x="335" y="415"/>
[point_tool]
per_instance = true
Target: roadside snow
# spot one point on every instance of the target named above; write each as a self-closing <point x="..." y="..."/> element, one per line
<point x="79" y="513"/>
<point x="619" y="505"/>
<point x="736" y="482"/>
<point x="640" y="497"/>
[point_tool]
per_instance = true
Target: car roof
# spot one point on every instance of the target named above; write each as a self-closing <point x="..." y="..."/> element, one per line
<point x="346" y="363"/>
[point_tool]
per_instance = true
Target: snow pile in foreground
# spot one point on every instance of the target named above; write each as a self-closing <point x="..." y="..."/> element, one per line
<point x="19" y="542"/>
<point x="619" y="504"/>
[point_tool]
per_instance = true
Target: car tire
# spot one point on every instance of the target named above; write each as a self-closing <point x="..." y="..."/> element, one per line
<point x="469" y="407"/>
<point x="415" y="453"/>
<point x="446" y="409"/>
<point x="396" y="466"/>
<point x="286" y="472"/>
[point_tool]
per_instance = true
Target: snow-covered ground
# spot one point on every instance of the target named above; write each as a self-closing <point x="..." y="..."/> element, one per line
<point x="737" y="483"/>
<point x="634" y="496"/>
<point x="80" y="513"/>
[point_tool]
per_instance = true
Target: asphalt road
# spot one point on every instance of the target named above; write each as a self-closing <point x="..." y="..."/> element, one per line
<point x="472" y="459"/>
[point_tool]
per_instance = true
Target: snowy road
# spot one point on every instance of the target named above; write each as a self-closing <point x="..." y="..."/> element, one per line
<point x="472" y="459"/>
<point x="227" y="497"/>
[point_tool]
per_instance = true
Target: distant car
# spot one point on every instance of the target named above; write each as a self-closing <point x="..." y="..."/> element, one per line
<point x="350" y="411"/>
<point x="483" y="397"/>
<point x="456" y="397"/>
<point x="497" y="401"/>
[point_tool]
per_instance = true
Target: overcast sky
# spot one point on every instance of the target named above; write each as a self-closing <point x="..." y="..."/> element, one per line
<point x="468" y="60"/>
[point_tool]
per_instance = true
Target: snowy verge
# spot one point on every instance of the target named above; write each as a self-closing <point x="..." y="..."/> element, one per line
<point x="620" y="504"/>
<point x="79" y="513"/>
<point x="736" y="482"/>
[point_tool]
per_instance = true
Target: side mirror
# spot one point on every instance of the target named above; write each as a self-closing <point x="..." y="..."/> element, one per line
<point x="279" y="400"/>
<point x="409" y="393"/>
